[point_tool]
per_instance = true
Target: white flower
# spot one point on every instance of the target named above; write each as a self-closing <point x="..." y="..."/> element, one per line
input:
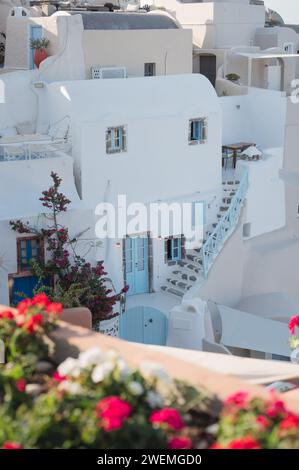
<point x="68" y="367"/>
<point x="101" y="371"/>
<point x="123" y="368"/>
<point x="33" y="389"/>
<point x="71" y="387"/>
<point x="154" y="399"/>
<point x="153" y="370"/>
<point x="90" y="357"/>
<point x="135" y="388"/>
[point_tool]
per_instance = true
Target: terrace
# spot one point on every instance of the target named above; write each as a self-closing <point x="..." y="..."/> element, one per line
<point x="15" y="146"/>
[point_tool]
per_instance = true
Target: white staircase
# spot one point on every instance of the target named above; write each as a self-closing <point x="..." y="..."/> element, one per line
<point x="194" y="268"/>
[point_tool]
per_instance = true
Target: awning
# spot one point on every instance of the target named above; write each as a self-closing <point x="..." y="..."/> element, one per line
<point x="261" y="55"/>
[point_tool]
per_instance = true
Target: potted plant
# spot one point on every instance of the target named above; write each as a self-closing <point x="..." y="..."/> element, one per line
<point x="233" y="77"/>
<point x="40" y="50"/>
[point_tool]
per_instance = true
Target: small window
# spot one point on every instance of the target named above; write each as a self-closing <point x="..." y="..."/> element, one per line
<point x="173" y="249"/>
<point x="298" y="211"/>
<point x="28" y="249"/>
<point x="288" y="47"/>
<point x="197" y="131"/>
<point x="116" y="139"/>
<point x="149" y="69"/>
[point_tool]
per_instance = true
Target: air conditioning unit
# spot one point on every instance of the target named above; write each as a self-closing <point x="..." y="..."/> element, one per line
<point x="108" y="72"/>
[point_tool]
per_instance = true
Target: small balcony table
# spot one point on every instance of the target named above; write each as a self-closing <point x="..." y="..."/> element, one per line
<point x="236" y="148"/>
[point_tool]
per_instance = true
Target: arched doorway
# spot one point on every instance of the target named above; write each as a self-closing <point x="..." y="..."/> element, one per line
<point x="145" y="325"/>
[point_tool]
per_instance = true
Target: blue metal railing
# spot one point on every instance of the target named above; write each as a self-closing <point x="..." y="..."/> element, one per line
<point x="226" y="225"/>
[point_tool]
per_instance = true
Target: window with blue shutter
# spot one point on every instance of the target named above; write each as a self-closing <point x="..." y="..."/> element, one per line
<point x="197" y="131"/>
<point x="174" y="249"/>
<point x="116" y="139"/>
<point x="28" y="249"/>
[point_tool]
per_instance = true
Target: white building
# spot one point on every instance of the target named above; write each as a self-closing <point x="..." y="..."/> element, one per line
<point x="154" y="116"/>
<point x="160" y="140"/>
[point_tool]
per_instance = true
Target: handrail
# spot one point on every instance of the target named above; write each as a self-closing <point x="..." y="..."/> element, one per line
<point x="212" y="246"/>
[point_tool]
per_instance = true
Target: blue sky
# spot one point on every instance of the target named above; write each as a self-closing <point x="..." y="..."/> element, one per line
<point x="288" y="9"/>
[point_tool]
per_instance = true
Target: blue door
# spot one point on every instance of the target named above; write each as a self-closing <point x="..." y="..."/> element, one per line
<point x="23" y="286"/>
<point x="36" y="32"/>
<point x="145" y="325"/>
<point x="136" y="265"/>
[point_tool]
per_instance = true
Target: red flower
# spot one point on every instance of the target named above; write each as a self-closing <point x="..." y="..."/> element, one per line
<point x="246" y="442"/>
<point x="215" y="446"/>
<point x="112" y="412"/>
<point x="59" y="378"/>
<point x="262" y="421"/>
<point x="32" y="324"/>
<point x="238" y="399"/>
<point x="168" y="416"/>
<point x="7" y="314"/>
<point x="54" y="308"/>
<point x="21" y="385"/>
<point x="23" y="306"/>
<point x="125" y="289"/>
<point x="12" y="445"/>
<point x="290" y="422"/>
<point x="275" y="408"/>
<point x="40" y="300"/>
<point x="180" y="443"/>
<point x="294" y="321"/>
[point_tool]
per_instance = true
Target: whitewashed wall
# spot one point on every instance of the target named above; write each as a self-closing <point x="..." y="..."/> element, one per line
<point x="159" y="164"/>
<point x="258" y="117"/>
<point x="266" y="202"/>
<point x="18" y="102"/>
<point x="218" y="24"/>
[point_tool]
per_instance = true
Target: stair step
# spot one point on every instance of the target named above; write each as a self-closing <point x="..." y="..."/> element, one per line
<point x="227" y="200"/>
<point x="195" y="259"/>
<point x="177" y="283"/>
<point x="190" y="266"/>
<point x="180" y="285"/>
<point x="184" y="276"/>
<point x="170" y="290"/>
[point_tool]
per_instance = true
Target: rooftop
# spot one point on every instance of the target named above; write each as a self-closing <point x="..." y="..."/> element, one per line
<point x="122" y="20"/>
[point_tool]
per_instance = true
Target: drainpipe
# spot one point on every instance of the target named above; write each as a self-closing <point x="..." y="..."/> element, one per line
<point x="165" y="63"/>
<point x="249" y="71"/>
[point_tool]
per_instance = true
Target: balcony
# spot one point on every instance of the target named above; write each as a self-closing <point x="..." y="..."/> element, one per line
<point x="31" y="147"/>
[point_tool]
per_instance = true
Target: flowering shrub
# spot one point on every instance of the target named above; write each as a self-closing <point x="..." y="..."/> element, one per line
<point x="99" y="401"/>
<point x="65" y="278"/>
<point x="23" y="329"/>
<point x="252" y="423"/>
